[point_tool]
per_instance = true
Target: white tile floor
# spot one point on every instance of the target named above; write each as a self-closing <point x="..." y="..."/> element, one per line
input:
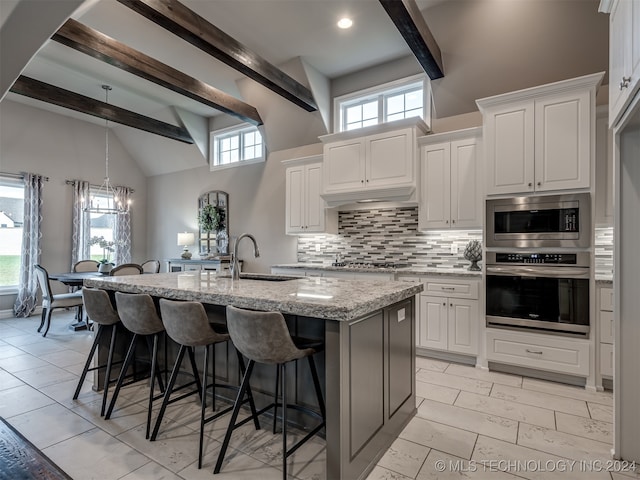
<point x="470" y="424"/>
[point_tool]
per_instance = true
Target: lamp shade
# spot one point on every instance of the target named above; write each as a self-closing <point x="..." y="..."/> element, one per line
<point x="186" y="238"/>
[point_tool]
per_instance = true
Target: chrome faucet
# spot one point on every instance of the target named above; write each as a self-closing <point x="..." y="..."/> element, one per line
<point x="235" y="265"/>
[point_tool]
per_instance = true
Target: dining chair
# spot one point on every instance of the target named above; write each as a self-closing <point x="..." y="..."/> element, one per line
<point x="151" y="266"/>
<point x="86" y="266"/>
<point x="126" y="269"/>
<point x="51" y="301"/>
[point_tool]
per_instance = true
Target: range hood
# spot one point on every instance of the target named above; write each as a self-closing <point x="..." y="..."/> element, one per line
<point x="407" y="193"/>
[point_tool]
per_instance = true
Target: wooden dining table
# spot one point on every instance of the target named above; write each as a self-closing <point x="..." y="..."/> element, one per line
<point x="76" y="279"/>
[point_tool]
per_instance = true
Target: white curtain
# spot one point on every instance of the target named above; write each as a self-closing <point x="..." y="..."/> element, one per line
<point x="25" y="303"/>
<point x="80" y="249"/>
<point x="122" y="229"/>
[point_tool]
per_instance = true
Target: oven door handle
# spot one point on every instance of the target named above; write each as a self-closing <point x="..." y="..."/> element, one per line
<point x="563" y="272"/>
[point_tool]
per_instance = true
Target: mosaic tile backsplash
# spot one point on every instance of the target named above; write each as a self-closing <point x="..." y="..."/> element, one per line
<point x="387" y="235"/>
<point x="604" y="251"/>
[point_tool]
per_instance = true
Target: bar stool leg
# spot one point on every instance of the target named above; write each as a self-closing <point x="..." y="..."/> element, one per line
<point x="107" y="374"/>
<point x="275" y="399"/>
<point x="167" y="392"/>
<point x="203" y="402"/>
<point x="316" y="385"/>
<point x="252" y="405"/>
<point x="92" y="352"/>
<point x="194" y="367"/>
<point x="283" y="373"/>
<point x="125" y="366"/>
<point x="154" y="361"/>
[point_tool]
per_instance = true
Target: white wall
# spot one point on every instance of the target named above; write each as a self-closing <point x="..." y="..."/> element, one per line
<point x="62" y="148"/>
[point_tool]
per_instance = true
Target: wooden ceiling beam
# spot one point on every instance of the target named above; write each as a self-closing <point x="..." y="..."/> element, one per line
<point x="45" y="92"/>
<point x="102" y="47"/>
<point x="191" y="27"/>
<point x="409" y="21"/>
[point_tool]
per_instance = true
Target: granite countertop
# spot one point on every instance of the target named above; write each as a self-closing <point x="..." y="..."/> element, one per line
<point x="318" y="297"/>
<point x="416" y="270"/>
<point x="604" y="279"/>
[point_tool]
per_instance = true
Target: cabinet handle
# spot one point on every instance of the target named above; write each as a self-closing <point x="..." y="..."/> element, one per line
<point x="367" y="180"/>
<point x="446" y="221"/>
<point x="530" y="184"/>
<point x="444" y="304"/>
<point x="539" y="183"/>
<point x="361" y="181"/>
<point x="451" y="304"/>
<point x="625" y="82"/>
<point x="537" y="352"/>
<point x="449" y="288"/>
<point x="453" y="221"/>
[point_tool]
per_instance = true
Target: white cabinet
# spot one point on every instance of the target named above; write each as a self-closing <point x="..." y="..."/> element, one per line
<point x="449" y="316"/>
<point x="605" y="326"/>
<point x="624" y="56"/>
<point x="304" y="208"/>
<point x="377" y="162"/>
<point x="540" y="139"/>
<point x="604" y="171"/>
<point x="450" y="187"/>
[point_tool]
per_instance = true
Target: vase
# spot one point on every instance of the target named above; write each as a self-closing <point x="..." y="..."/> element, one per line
<point x="105" y="267"/>
<point x="473" y="253"/>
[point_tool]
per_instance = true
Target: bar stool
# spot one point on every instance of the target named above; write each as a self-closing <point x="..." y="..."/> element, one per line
<point x="187" y="324"/>
<point x="263" y="337"/>
<point x="99" y="309"/>
<point x="138" y="314"/>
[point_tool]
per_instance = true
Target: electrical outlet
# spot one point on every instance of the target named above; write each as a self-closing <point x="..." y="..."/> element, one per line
<point x="454" y="249"/>
<point x="317" y="247"/>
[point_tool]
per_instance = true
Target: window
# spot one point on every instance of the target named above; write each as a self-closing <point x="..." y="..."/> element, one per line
<point x="11" y="221"/>
<point x="392" y="101"/>
<point x="101" y="231"/>
<point x="236" y="146"/>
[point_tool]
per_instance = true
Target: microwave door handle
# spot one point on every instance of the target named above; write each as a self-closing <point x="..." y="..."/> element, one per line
<point x="565" y="272"/>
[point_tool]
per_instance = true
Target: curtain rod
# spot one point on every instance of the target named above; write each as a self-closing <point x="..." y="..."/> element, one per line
<point x="19" y="175"/>
<point x="73" y="182"/>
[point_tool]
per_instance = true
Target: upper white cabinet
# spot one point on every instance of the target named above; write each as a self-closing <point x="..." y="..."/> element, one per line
<point x="604" y="170"/>
<point x="377" y="162"/>
<point x="624" y="55"/>
<point x="450" y="186"/>
<point x="305" y="209"/>
<point x="540" y="139"/>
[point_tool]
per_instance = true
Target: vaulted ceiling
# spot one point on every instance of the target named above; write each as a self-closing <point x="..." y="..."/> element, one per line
<point x="488" y="47"/>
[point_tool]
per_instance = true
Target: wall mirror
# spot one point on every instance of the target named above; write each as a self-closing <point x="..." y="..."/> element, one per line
<point x="213" y="220"/>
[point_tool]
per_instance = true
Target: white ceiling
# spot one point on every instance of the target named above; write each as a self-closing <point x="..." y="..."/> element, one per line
<point x="488" y="47"/>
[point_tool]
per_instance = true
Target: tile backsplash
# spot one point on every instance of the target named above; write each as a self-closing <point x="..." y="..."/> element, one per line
<point x="604" y="250"/>
<point x="387" y="234"/>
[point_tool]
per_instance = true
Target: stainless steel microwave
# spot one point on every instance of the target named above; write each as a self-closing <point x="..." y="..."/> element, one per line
<point x="539" y="221"/>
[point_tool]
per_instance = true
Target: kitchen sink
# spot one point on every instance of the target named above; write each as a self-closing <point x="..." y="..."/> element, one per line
<point x="264" y="277"/>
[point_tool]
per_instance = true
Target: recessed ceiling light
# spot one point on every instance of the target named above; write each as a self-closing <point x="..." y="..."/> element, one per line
<point x="345" y="23"/>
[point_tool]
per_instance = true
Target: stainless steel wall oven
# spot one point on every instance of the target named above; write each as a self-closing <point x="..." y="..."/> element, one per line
<point x="539" y="291"/>
<point x="555" y="221"/>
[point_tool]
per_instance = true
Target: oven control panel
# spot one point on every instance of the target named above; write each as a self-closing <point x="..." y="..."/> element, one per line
<point x="537" y="258"/>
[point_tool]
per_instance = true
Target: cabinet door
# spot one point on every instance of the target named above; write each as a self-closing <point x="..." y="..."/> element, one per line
<point x="620" y="25"/>
<point x="433" y="322"/>
<point x="389" y="159"/>
<point x="563" y="142"/>
<point x="435" y="196"/>
<point x="294" y="205"/>
<point x="463" y="326"/>
<point x="314" y="205"/>
<point x="604" y="172"/>
<point x="510" y="149"/>
<point x="466" y="197"/>
<point x="344" y="166"/>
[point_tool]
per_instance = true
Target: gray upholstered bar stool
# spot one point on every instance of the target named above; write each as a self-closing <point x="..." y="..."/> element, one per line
<point x="187" y="324"/>
<point x="98" y="306"/>
<point x="263" y="337"/>
<point x="138" y="314"/>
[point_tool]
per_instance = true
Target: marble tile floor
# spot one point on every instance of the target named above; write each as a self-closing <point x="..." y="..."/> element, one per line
<point x="470" y="424"/>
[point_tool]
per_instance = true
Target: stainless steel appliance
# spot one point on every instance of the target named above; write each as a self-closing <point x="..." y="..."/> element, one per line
<point x="539" y="291"/>
<point x="555" y="221"/>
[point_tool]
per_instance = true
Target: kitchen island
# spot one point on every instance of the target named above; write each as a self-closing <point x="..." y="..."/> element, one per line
<point x="369" y="357"/>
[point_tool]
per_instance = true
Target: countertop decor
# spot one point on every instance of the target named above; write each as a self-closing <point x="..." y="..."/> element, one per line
<point x="473" y="253"/>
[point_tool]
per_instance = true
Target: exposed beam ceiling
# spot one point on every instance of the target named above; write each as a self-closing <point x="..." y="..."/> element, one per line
<point x="45" y="92"/>
<point x="191" y="27"/>
<point x="410" y="23"/>
<point x="98" y="45"/>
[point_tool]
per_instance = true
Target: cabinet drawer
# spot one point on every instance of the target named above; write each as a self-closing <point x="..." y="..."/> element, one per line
<point x="544" y="352"/>
<point x="606" y="359"/>
<point x="606" y="327"/>
<point x="448" y="288"/>
<point x="606" y="299"/>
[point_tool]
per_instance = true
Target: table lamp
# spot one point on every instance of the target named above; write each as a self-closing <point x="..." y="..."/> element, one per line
<point x="186" y="239"/>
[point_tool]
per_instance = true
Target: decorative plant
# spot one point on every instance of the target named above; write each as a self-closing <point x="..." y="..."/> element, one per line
<point x="211" y="218"/>
<point x="106" y="245"/>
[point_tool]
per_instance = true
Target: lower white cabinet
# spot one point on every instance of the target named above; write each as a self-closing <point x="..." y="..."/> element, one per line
<point x="449" y="315"/>
<point x="539" y="351"/>
<point x="605" y="326"/>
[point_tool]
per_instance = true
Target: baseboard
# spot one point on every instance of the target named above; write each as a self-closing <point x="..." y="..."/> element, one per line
<point x="539" y="374"/>
<point x="4" y="314"/>
<point x="446" y="356"/>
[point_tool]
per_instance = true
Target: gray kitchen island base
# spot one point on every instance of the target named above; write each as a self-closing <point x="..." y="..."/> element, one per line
<point x="369" y="357"/>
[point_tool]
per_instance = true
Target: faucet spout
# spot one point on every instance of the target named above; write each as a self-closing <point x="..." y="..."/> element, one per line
<point x="235" y="265"/>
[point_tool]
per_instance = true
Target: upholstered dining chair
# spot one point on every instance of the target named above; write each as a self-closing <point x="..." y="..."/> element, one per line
<point x="126" y="269"/>
<point x="151" y="266"/>
<point x="51" y="301"/>
<point x="86" y="266"/>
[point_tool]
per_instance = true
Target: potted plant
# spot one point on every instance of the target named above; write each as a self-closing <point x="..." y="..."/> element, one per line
<point x="107" y="248"/>
<point x="211" y="218"/>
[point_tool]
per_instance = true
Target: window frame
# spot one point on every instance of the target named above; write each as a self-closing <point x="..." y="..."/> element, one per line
<point x="216" y="136"/>
<point x="381" y="92"/>
<point x="12" y="181"/>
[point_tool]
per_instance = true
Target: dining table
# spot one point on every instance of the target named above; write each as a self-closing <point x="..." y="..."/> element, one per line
<point x="76" y="279"/>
